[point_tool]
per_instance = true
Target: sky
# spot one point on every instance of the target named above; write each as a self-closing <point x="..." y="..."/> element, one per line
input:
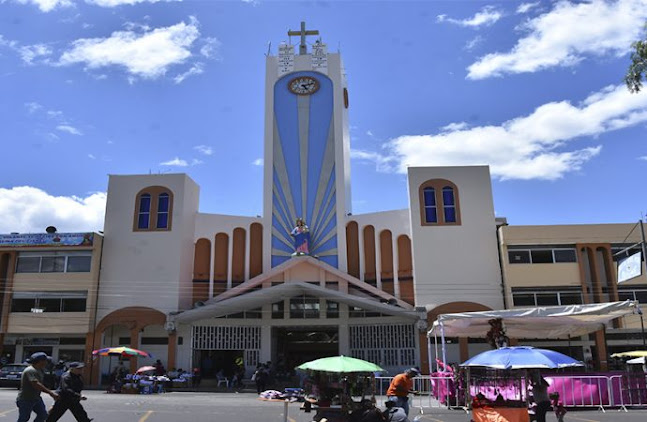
<point x="534" y="89"/>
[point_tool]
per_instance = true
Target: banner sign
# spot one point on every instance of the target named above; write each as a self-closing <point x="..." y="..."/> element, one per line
<point x="320" y="57"/>
<point x="630" y="267"/>
<point x="286" y="59"/>
<point x="46" y="239"/>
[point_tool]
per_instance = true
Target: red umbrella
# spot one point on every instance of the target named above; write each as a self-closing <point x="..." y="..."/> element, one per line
<point x="145" y="369"/>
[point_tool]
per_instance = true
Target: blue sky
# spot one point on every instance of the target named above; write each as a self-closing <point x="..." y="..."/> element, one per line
<point x="534" y="89"/>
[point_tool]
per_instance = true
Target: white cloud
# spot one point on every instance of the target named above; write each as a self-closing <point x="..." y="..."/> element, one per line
<point x="92" y="156"/>
<point x="29" y="53"/>
<point x="47" y="5"/>
<point x="644" y="157"/>
<point x="28" y="209"/>
<point x="487" y="16"/>
<point x="113" y="3"/>
<point x="453" y="127"/>
<point x="147" y="55"/>
<point x="196" y="162"/>
<point x="535" y="146"/>
<point x="382" y="162"/>
<point x="473" y="43"/>
<point x="566" y="34"/>
<point x="211" y="48"/>
<point x="258" y="162"/>
<point x="33" y="107"/>
<point x="526" y="7"/>
<point x="176" y="162"/>
<point x="69" y="129"/>
<point x="204" y="149"/>
<point x="196" y="69"/>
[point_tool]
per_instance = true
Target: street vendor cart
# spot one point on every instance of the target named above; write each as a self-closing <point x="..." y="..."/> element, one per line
<point x="339" y="386"/>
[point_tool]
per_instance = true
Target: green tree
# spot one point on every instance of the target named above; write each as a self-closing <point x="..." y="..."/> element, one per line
<point x="638" y="68"/>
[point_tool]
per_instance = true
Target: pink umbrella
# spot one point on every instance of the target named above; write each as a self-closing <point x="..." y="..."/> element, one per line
<point x="145" y="369"/>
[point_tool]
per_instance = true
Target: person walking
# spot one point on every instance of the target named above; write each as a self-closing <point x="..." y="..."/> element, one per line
<point x="400" y="388"/>
<point x="70" y="395"/>
<point x="540" y="395"/>
<point x="31" y="385"/>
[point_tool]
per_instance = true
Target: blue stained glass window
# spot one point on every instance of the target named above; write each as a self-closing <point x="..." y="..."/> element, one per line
<point x="430" y="197"/>
<point x="448" y="196"/>
<point x="145" y="203"/>
<point x="143" y="218"/>
<point x="450" y="214"/>
<point x="163" y="203"/>
<point x="430" y="215"/>
<point x="162" y="220"/>
<point x="143" y="221"/>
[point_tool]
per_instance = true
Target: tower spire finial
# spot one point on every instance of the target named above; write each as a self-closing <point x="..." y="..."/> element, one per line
<point x="303" y="48"/>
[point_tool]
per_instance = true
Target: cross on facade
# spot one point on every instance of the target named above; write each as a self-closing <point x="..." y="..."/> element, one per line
<point x="303" y="49"/>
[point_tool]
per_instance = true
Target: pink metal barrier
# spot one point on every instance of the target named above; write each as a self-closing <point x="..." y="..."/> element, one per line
<point x="579" y="391"/>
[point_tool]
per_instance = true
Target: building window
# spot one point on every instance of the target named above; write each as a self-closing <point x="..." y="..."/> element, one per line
<point x="40" y="302"/>
<point x="449" y="207"/>
<point x="162" y="211"/>
<point x="153" y="209"/>
<point x="304" y="307"/>
<point x="525" y="298"/>
<point x="638" y="293"/>
<point x="431" y="214"/>
<point x="143" y="221"/>
<point x="277" y="310"/>
<point x="54" y="262"/>
<point x="542" y="255"/>
<point x="439" y="203"/>
<point x="332" y="309"/>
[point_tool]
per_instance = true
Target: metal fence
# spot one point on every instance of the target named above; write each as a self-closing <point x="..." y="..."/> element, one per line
<point x="577" y="391"/>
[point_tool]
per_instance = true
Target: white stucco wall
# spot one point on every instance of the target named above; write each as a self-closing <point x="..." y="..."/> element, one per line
<point x="152" y="269"/>
<point x="456" y="263"/>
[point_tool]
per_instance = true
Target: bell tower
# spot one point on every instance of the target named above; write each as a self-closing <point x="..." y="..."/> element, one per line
<point x="307" y="151"/>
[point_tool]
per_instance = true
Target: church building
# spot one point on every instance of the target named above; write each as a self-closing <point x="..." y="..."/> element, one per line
<point x="309" y="278"/>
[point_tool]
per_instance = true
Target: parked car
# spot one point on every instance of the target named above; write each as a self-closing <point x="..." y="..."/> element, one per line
<point x="10" y="375"/>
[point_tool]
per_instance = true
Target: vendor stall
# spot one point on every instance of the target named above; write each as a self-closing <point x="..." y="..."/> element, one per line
<point x="339" y="386"/>
<point x="500" y="389"/>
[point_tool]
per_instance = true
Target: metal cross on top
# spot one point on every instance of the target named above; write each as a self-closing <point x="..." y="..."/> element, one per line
<point x="303" y="49"/>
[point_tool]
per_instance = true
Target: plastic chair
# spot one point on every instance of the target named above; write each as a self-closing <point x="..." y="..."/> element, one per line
<point x="222" y="380"/>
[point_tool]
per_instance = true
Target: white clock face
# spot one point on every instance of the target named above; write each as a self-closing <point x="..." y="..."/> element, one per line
<point x="304" y="85"/>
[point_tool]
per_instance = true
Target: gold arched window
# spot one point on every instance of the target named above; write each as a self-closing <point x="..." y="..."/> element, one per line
<point x="153" y="209"/>
<point x="439" y="203"/>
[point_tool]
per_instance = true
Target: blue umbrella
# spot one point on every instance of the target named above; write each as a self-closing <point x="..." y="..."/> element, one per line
<point x="522" y="357"/>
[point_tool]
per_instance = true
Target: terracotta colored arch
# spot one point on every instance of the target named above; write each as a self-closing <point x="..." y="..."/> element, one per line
<point x="135" y="318"/>
<point x="453" y="307"/>
<point x="448" y="308"/>
<point x="352" y="248"/>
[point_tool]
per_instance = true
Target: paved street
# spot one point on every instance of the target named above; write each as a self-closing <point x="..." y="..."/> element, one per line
<point x="226" y="407"/>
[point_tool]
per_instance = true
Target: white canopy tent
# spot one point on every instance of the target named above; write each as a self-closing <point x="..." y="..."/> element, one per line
<point x="541" y="322"/>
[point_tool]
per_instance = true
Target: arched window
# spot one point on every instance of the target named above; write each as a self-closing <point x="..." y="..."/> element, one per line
<point x="153" y="209"/>
<point x="449" y="205"/>
<point x="431" y="212"/>
<point x="144" y="217"/>
<point x="163" y="203"/>
<point x="439" y="204"/>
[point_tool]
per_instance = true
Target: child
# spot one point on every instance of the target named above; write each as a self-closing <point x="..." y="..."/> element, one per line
<point x="558" y="407"/>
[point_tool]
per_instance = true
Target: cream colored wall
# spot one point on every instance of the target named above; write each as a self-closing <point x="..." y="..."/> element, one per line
<point x="569" y="233"/>
<point x="560" y="274"/>
<point x="543" y="275"/>
<point x="59" y="322"/>
<point x="456" y="263"/>
<point x="151" y="269"/>
<point x="50" y="323"/>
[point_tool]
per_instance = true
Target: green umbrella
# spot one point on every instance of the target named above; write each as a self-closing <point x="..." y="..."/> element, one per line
<point x="340" y="364"/>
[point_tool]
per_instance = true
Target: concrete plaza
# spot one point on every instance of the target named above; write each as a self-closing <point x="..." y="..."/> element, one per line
<point x="230" y="407"/>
